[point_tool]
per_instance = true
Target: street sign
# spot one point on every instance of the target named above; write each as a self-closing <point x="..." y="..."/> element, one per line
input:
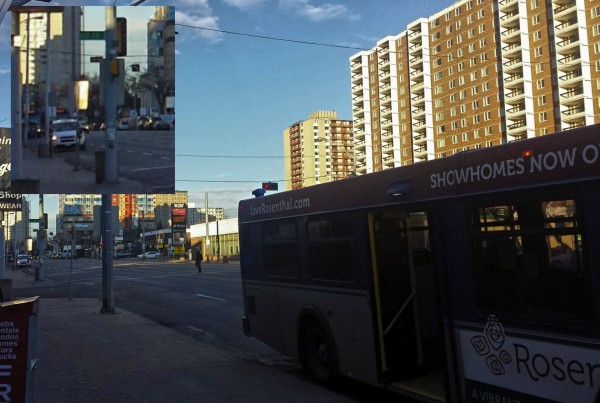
<point x="96" y="59"/>
<point x="91" y="35"/>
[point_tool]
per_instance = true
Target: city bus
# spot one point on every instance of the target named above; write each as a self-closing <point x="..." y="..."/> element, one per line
<point x="470" y="278"/>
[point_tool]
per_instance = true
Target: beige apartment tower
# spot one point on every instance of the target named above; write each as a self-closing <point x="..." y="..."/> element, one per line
<point x="477" y="74"/>
<point x="318" y="150"/>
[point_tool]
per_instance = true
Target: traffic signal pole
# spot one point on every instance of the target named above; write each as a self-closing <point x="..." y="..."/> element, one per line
<point x="107" y="255"/>
<point x="110" y="97"/>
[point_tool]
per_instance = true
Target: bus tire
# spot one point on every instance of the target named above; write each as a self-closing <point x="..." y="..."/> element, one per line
<point x="318" y="355"/>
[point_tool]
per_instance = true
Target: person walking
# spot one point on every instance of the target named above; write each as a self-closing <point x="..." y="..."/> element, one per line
<point x="198" y="259"/>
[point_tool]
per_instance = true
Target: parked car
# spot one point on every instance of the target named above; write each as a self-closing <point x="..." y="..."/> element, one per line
<point x="149" y="255"/>
<point x="160" y="124"/>
<point x="141" y="122"/>
<point x="122" y="254"/>
<point x="123" y="124"/>
<point x="23" y="261"/>
<point x="66" y="132"/>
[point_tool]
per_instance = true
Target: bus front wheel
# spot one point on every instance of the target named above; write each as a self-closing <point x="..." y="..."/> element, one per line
<point x="318" y="353"/>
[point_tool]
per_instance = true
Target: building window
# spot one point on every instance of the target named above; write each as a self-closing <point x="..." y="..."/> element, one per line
<point x="540" y="84"/>
<point x="543" y="116"/>
<point x="454" y="139"/>
<point x="542" y="100"/>
<point x="465" y="137"/>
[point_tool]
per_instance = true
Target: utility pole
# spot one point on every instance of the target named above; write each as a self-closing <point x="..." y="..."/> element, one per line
<point x="41" y="240"/>
<point x="107" y="255"/>
<point x="110" y="97"/>
<point x="47" y="88"/>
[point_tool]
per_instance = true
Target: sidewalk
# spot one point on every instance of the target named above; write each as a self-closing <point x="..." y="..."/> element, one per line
<point x="56" y="175"/>
<point x="85" y="356"/>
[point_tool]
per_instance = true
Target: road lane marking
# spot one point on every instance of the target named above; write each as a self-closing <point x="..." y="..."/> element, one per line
<point x="208" y="296"/>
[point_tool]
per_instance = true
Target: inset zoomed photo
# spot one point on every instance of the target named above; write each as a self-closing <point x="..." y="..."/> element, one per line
<point x="95" y="100"/>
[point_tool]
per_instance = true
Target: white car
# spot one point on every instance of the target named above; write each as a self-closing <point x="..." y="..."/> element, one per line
<point x="23" y="261"/>
<point x="65" y="132"/>
<point x="123" y="125"/>
<point x="149" y="255"/>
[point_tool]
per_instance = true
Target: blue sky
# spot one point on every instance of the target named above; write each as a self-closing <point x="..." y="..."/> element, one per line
<point x="236" y="93"/>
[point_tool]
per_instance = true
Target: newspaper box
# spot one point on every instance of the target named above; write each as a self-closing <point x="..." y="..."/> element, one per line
<point x="18" y="349"/>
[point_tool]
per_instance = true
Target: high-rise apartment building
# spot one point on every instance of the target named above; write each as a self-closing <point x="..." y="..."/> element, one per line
<point x="36" y="33"/>
<point x="318" y="150"/>
<point x="476" y="74"/>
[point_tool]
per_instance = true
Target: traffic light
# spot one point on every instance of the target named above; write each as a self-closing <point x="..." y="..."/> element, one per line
<point x="121" y="36"/>
<point x="135" y="68"/>
<point x="270" y="186"/>
<point x="45" y="221"/>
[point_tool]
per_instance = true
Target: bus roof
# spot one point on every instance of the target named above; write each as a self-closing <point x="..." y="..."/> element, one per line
<point x="563" y="157"/>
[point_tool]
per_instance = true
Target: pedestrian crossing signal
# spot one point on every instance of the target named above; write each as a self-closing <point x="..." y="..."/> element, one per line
<point x="270" y="186"/>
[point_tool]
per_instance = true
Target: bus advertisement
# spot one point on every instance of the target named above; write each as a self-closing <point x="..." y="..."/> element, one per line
<point x="470" y="278"/>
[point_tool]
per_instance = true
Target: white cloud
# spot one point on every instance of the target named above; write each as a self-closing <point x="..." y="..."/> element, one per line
<point x="318" y="13"/>
<point x="244" y="5"/>
<point x="206" y="25"/>
<point x="4" y="71"/>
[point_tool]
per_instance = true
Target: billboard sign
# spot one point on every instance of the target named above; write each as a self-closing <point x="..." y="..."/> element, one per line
<point x="10" y="201"/>
<point x="178" y="217"/>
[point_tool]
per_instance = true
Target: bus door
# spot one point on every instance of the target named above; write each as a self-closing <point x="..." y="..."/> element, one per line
<point x="403" y="285"/>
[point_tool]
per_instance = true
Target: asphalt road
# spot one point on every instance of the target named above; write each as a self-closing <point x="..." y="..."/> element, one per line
<point x="144" y="156"/>
<point x="207" y="306"/>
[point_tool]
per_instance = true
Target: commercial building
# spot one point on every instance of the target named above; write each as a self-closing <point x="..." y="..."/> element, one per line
<point x="476" y="74"/>
<point x="318" y="150"/>
<point x="50" y="39"/>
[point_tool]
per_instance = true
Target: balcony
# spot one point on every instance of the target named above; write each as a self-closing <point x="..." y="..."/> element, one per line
<point x="514" y="81"/>
<point x="508" y="5"/>
<point x="513" y="96"/>
<point x="417" y="47"/>
<point x="511" y="65"/>
<point x="566" y="26"/>
<point x="512" y="50"/>
<point x="567" y="43"/>
<point x="418" y="124"/>
<point x="357" y="89"/>
<point x="566" y="10"/>
<point x="571" y="79"/>
<point x="386" y="112"/>
<point x="417" y="75"/>
<point x="386" y="124"/>
<point x="384" y="62"/>
<point x="510" y="34"/>
<point x="516" y="111"/>
<point x="355" y="66"/>
<point x="420" y="153"/>
<point x="358" y="99"/>
<point x="573" y="114"/>
<point x="420" y="140"/>
<point x="418" y="113"/>
<point x="415" y="36"/>
<point x="569" y="62"/>
<point x="510" y="19"/>
<point x="385" y="100"/>
<point x="572" y="96"/>
<point x="416" y="61"/>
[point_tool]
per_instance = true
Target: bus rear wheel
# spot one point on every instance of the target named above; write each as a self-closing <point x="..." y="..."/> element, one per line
<point x="318" y="353"/>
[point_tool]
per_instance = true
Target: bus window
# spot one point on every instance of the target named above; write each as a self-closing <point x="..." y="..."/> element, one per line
<point x="528" y="260"/>
<point x="281" y="255"/>
<point x="331" y="248"/>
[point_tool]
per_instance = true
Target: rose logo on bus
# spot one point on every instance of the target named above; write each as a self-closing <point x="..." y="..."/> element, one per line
<point x="489" y="345"/>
